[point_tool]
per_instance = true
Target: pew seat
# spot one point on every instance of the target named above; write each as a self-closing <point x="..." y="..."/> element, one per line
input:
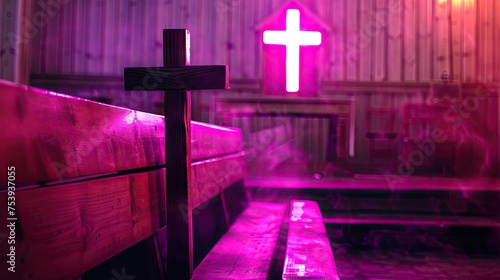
<point x="246" y="250"/>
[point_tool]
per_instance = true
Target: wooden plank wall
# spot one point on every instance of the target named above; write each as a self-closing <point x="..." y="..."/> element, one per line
<point x="371" y="41"/>
<point x="103" y="37"/>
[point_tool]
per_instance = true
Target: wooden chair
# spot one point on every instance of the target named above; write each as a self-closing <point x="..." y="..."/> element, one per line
<point x="381" y="127"/>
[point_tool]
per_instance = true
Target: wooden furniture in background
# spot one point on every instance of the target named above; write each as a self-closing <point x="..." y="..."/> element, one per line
<point x="224" y="109"/>
<point x="381" y="127"/>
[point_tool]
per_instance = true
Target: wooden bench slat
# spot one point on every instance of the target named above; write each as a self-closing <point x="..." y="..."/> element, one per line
<point x="84" y="223"/>
<point x="50" y="136"/>
<point x="308" y="251"/>
<point x="246" y="250"/>
<point x="213" y="176"/>
<point x="65" y="230"/>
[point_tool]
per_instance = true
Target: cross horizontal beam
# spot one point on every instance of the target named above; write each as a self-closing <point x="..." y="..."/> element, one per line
<point x="177" y="78"/>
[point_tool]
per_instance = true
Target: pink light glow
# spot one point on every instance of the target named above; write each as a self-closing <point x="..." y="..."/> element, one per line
<point x="292" y="38"/>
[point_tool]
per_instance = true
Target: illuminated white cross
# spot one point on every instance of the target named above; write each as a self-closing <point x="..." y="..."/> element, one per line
<point x="292" y="38"/>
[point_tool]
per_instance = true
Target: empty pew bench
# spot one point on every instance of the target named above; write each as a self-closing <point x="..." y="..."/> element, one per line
<point x="90" y="186"/>
<point x="246" y="250"/>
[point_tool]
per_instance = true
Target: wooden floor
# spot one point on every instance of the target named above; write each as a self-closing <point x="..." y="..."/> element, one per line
<point x="411" y="220"/>
<point x="390" y="266"/>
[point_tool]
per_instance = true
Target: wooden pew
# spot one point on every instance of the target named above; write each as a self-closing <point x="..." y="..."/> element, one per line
<point x="90" y="183"/>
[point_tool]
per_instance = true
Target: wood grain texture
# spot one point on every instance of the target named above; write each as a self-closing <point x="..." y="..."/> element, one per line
<point x="97" y="219"/>
<point x="281" y="106"/>
<point x="245" y="251"/>
<point x="212" y="176"/>
<point x="181" y="78"/>
<point x="50" y="136"/>
<point x="271" y="147"/>
<point x="109" y="82"/>
<point x="63" y="231"/>
<point x="176" y="45"/>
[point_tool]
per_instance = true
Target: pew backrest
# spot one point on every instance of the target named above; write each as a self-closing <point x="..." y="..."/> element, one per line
<point x="90" y="179"/>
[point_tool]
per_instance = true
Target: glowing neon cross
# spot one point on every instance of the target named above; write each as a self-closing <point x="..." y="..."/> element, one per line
<point x="292" y="38"/>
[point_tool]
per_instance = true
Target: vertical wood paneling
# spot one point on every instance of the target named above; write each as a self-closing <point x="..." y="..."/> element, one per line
<point x="456" y="38"/>
<point x="479" y="37"/>
<point x="441" y="37"/>
<point x="366" y="33"/>
<point x="93" y="48"/>
<point x="109" y="35"/>
<point x="323" y="68"/>
<point x="249" y="39"/>
<point x="80" y="36"/>
<point x="351" y="40"/>
<point x="380" y="45"/>
<point x="41" y="19"/>
<point x="395" y="37"/>
<point x="469" y="31"/>
<point x="495" y="35"/>
<point x="221" y="31"/>
<point x="487" y="43"/>
<point x="424" y="23"/>
<point x="65" y="22"/>
<point x="235" y="47"/>
<point x="409" y="41"/>
<point x="335" y="52"/>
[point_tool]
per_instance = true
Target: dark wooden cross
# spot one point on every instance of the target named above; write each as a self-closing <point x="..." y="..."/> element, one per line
<point x="176" y="78"/>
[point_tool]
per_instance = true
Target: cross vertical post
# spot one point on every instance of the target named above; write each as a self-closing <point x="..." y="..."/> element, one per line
<point x="176" y="78"/>
<point x="178" y="160"/>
